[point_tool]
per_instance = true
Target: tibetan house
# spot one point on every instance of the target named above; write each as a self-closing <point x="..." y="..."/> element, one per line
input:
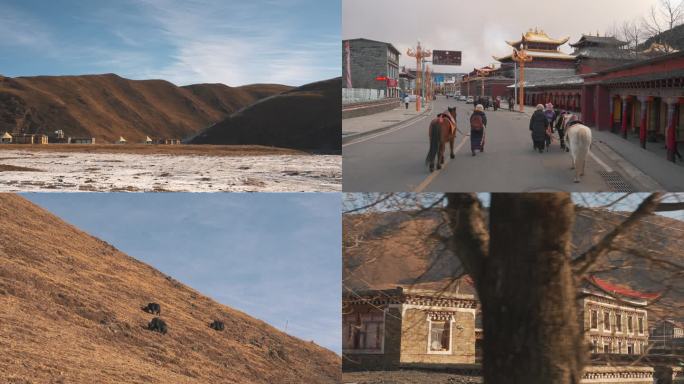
<point x="615" y="317"/>
<point x="25" y="138"/>
<point x="409" y="327"/>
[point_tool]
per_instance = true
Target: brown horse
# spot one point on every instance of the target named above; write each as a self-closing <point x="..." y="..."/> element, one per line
<point x="442" y="130"/>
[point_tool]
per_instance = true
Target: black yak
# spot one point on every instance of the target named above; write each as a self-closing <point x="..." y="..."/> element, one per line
<point x="217" y="325"/>
<point x="153" y="308"/>
<point x="157" y="325"/>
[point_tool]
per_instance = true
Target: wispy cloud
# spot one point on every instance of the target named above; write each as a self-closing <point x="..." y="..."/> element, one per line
<point x="240" y="43"/>
<point x="184" y="41"/>
<point x="20" y="29"/>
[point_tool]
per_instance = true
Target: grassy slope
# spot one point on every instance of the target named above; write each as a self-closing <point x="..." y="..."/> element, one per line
<point x="70" y="312"/>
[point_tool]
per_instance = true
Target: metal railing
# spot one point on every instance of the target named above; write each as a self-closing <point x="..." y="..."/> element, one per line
<point x="360" y="95"/>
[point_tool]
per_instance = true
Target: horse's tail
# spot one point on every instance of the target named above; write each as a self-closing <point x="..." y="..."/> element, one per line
<point x="435" y="138"/>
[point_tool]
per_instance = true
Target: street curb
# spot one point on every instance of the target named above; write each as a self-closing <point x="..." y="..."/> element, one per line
<point x="348" y="138"/>
<point x="631" y="172"/>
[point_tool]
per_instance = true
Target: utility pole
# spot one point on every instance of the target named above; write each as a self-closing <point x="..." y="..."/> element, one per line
<point x="521" y="57"/>
<point x="515" y="84"/>
<point x="419" y="53"/>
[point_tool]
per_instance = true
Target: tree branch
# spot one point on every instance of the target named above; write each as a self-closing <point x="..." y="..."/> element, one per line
<point x="588" y="258"/>
<point x="669" y="207"/>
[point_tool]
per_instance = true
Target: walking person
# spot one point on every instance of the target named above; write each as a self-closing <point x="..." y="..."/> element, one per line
<point x="550" y="117"/>
<point x="560" y="129"/>
<point x="407" y="99"/>
<point x="538" y="125"/>
<point x="478" y="124"/>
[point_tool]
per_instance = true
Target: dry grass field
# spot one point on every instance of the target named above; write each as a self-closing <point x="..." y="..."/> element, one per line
<point x="70" y="312"/>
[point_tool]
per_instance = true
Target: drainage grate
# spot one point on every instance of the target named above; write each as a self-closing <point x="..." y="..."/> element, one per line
<point x="616" y="182"/>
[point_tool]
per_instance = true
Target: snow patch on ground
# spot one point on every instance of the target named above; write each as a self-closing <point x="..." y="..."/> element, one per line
<point x="107" y="172"/>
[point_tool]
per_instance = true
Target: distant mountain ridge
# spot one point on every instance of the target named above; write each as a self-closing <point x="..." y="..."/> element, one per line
<point x="70" y="312"/>
<point x="108" y="106"/>
<point x="389" y="249"/>
<point x="305" y="118"/>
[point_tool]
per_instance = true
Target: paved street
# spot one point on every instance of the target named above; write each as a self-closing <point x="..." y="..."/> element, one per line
<point x="394" y="160"/>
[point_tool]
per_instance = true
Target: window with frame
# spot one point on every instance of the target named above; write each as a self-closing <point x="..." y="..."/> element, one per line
<point x="440" y="336"/>
<point x="363" y="331"/>
<point x="606" y="348"/>
<point x="594" y="319"/>
<point x="630" y="349"/>
<point x="641" y="325"/>
<point x="630" y="325"/>
<point x="618" y="322"/>
<point x="606" y="320"/>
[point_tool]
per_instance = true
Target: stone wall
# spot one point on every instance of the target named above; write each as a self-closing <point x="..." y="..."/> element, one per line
<point x="370" y="108"/>
<point x="414" y="348"/>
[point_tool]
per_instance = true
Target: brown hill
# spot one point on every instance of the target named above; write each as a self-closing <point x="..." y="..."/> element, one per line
<point x="306" y="118"/>
<point x="228" y="99"/>
<point x="108" y="106"/>
<point x="70" y="312"/>
<point x="385" y="250"/>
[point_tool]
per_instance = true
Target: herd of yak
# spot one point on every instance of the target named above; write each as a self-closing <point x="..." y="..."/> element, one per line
<point x="159" y="325"/>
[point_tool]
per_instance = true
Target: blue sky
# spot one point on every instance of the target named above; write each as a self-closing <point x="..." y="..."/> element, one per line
<point x="275" y="256"/>
<point x="184" y="41"/>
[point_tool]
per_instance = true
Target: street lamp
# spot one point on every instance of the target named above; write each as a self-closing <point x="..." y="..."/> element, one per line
<point x="419" y="53"/>
<point x="521" y="56"/>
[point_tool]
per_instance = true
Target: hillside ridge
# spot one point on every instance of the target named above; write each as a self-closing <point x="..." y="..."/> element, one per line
<point x="306" y="118"/>
<point x="107" y="106"/>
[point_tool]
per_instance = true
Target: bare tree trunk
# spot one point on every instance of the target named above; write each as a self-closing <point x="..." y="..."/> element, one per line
<point x="525" y="284"/>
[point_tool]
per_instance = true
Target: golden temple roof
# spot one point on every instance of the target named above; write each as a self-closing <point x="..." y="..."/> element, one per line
<point x="539" y="54"/>
<point x="659" y="48"/>
<point x="537" y="36"/>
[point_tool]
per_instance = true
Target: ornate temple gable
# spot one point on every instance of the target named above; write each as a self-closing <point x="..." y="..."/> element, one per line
<point x="537" y="39"/>
<point x="538" y="45"/>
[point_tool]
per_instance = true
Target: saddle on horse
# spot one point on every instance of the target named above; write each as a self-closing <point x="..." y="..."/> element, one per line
<point x="450" y="119"/>
<point x="574" y="122"/>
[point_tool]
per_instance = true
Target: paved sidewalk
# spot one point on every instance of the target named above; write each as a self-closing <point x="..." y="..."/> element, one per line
<point x="669" y="175"/>
<point x="650" y="161"/>
<point x="365" y="125"/>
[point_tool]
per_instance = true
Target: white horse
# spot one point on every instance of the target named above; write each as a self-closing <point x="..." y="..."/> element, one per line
<point x="578" y="140"/>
